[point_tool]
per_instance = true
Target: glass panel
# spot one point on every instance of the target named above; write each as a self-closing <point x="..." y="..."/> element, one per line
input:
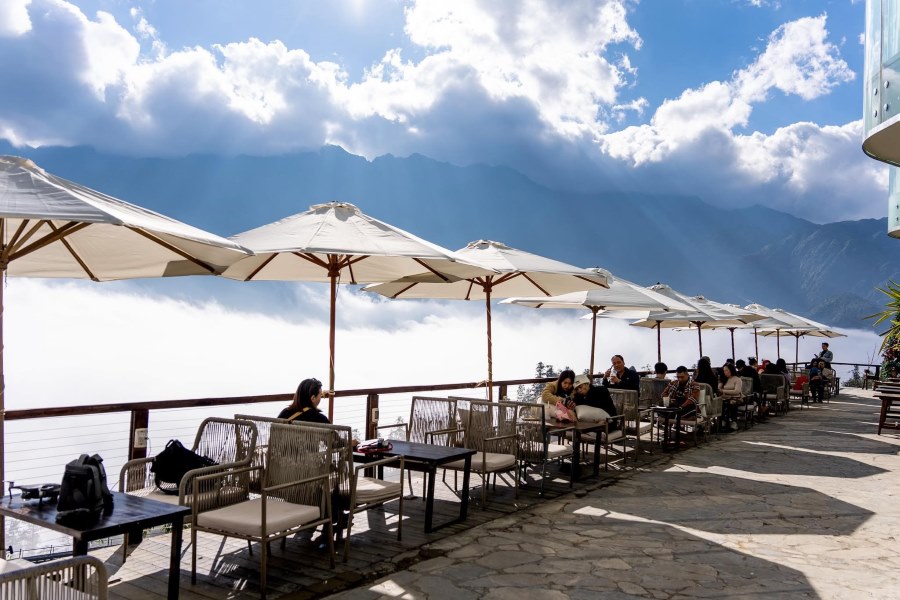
<point x="872" y="80"/>
<point x="894" y="203"/>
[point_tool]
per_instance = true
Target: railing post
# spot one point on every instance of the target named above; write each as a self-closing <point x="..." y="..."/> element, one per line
<point x="503" y="388"/>
<point x="140" y="419"/>
<point x="371" y="416"/>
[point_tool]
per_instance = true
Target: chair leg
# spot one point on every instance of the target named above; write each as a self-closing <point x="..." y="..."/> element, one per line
<point x="262" y="567"/>
<point x="347" y="533"/>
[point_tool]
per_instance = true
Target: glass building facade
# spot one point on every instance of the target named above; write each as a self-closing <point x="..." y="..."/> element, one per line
<point x="881" y="95"/>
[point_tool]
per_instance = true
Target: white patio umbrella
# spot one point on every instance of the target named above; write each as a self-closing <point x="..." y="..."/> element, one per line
<point x="52" y="227"/>
<point x="702" y="312"/>
<point x="337" y="243"/>
<point x="622" y="298"/>
<point x="518" y="273"/>
<point x="799" y="326"/>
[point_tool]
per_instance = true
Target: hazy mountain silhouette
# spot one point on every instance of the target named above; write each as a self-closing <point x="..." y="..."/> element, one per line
<point x="754" y="254"/>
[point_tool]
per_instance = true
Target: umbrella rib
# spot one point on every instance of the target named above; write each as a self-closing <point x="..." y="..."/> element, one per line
<point x="67" y="229"/>
<point x="441" y="275"/>
<point x="469" y="291"/>
<point x="172" y="248"/>
<point x="264" y="264"/>
<point x="507" y="276"/>
<point x="535" y="284"/>
<point x="14" y="240"/>
<point x="404" y="290"/>
<point x="74" y="254"/>
<point x="582" y="277"/>
<point x="312" y="258"/>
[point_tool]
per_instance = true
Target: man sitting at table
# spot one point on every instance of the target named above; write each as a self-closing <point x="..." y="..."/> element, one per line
<point x="620" y="377"/>
<point x="682" y="393"/>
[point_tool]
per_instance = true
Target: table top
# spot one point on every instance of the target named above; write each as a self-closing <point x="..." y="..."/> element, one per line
<point x="128" y="512"/>
<point x="416" y="451"/>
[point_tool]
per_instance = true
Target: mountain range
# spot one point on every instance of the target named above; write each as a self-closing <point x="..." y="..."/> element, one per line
<point x="828" y="272"/>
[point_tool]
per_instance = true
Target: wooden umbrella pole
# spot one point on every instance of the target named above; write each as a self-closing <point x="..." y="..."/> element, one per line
<point x="594" y="310"/>
<point x="333" y="275"/>
<point x="731" y="329"/>
<point x="796" y="349"/>
<point x="490" y="379"/>
<point x="755" y="343"/>
<point x="778" y="341"/>
<point x="658" y="342"/>
<point x="2" y="407"/>
<point x="699" y="336"/>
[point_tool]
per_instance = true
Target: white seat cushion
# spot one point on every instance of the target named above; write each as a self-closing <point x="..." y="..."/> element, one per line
<point x="245" y="518"/>
<point x="494" y="462"/>
<point x="558" y="451"/>
<point x="370" y="490"/>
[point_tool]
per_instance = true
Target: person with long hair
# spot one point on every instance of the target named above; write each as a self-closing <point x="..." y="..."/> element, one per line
<point x="305" y="405"/>
<point x="730" y="390"/>
<point x="705" y="374"/>
<point x="560" y="390"/>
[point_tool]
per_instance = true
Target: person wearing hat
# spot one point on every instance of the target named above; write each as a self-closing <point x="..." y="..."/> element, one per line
<point x="592" y="395"/>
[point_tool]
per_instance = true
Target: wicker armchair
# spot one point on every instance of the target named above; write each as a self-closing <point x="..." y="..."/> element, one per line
<point x="295" y="494"/>
<point x="491" y="428"/>
<point x="263" y="426"/>
<point x="774" y="391"/>
<point x="747" y="410"/>
<point x="229" y="442"/>
<point x="535" y="447"/>
<point x="431" y="421"/>
<point x="356" y="493"/>
<point x="650" y="391"/>
<point x="76" y="578"/>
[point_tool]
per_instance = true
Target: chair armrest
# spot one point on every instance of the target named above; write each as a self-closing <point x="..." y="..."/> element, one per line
<point x="132" y="466"/>
<point x="450" y="433"/>
<point x="378" y="463"/>
<point x="405" y="427"/>
<point x="186" y="484"/>
<point x="201" y="500"/>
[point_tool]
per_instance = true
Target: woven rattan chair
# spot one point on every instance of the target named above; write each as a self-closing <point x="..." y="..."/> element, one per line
<point x="535" y="445"/>
<point x="75" y="578"/>
<point x="358" y="493"/>
<point x="231" y="443"/>
<point x="295" y="495"/>
<point x="491" y="428"/>
<point x="431" y="421"/>
<point x="263" y="426"/>
<point x="747" y="410"/>
<point x="774" y="391"/>
<point x="650" y="391"/>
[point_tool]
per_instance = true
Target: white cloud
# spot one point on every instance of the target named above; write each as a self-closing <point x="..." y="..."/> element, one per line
<point x="490" y="83"/>
<point x="14" y="19"/>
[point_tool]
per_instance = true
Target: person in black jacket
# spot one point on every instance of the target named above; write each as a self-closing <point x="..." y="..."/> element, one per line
<point x="621" y="377"/>
<point x="592" y="395"/>
<point x="305" y="406"/>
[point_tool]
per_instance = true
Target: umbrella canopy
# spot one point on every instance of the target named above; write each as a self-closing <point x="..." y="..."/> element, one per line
<point x="702" y="312"/>
<point x="797" y="327"/>
<point x="518" y="273"/>
<point x="337" y="243"/>
<point x="621" y="298"/>
<point x="52" y="227"/>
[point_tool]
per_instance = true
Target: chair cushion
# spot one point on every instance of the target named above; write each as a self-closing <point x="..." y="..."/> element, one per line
<point x="369" y="490"/>
<point x="558" y="450"/>
<point x="493" y="461"/>
<point x="245" y="518"/>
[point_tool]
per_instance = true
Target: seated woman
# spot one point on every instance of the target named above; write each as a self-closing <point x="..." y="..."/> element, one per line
<point x="730" y="389"/>
<point x="660" y="370"/>
<point x="592" y="395"/>
<point x="705" y="374"/>
<point x="783" y="369"/>
<point x="558" y="391"/>
<point x="305" y="406"/>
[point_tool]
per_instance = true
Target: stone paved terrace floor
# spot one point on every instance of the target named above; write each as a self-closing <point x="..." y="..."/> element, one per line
<point x="804" y="506"/>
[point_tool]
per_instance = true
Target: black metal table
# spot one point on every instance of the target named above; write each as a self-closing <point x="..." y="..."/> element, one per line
<point x="668" y="415"/>
<point x="579" y="428"/>
<point x="130" y="514"/>
<point x="427" y="458"/>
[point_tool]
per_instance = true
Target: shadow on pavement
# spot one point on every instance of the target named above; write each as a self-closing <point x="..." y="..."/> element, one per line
<point x="732" y="505"/>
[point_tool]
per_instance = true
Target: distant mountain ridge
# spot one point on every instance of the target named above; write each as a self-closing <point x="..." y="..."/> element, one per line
<point x="754" y="254"/>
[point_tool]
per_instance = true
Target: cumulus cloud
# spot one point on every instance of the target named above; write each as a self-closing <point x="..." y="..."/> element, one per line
<point x="475" y="81"/>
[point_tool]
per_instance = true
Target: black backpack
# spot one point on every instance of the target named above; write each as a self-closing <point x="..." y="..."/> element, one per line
<point x="83" y="493"/>
<point x="171" y="465"/>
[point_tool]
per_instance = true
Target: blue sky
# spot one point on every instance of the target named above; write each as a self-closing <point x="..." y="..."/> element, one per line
<point x="736" y="101"/>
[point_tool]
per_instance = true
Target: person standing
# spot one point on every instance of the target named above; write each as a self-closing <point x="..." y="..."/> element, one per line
<point x="826" y="354"/>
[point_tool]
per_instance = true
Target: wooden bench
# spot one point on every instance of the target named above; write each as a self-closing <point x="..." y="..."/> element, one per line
<point x="890" y="408"/>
